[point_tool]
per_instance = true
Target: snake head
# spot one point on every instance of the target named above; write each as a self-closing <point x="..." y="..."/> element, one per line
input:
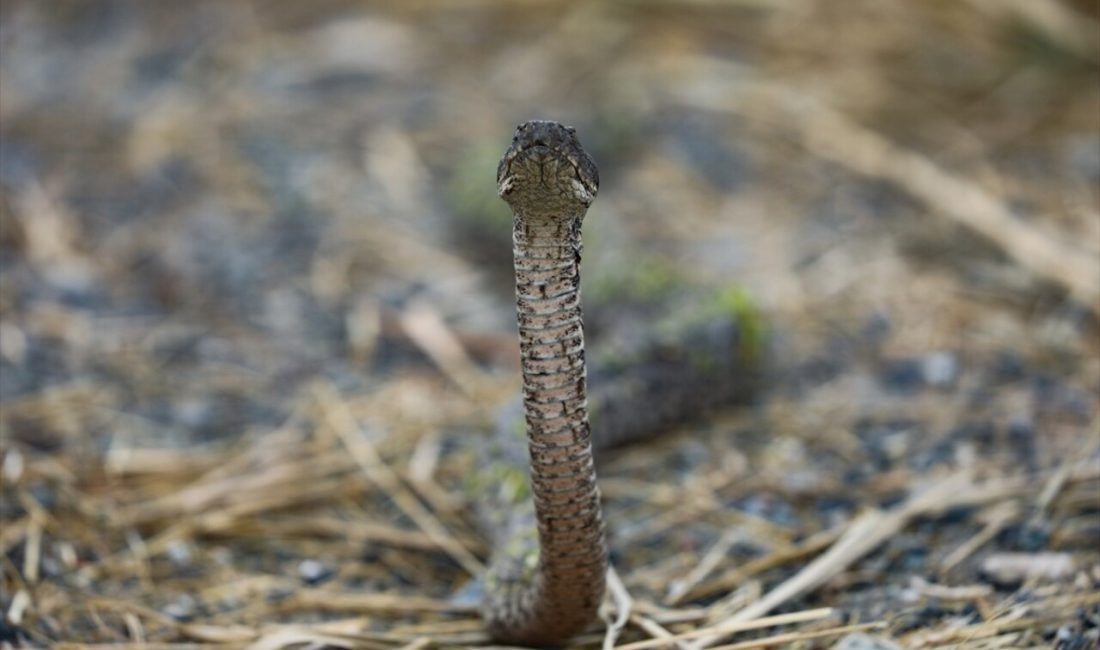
<point x="546" y="165"/>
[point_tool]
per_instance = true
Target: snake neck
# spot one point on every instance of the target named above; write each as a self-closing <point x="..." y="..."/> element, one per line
<point x="548" y="585"/>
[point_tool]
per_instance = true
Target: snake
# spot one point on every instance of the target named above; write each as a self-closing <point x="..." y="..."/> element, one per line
<point x="541" y="502"/>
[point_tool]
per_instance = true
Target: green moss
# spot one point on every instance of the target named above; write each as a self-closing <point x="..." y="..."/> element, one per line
<point x="513" y="483"/>
<point x="510" y="483"/>
<point x="737" y="302"/>
<point x="519" y="426"/>
<point x="523" y="553"/>
<point x="525" y="547"/>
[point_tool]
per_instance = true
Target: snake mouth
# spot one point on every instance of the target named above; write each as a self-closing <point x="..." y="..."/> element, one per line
<point x="545" y="162"/>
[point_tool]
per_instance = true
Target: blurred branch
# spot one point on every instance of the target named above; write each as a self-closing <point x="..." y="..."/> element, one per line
<point x="1055" y="21"/>
<point x="833" y="136"/>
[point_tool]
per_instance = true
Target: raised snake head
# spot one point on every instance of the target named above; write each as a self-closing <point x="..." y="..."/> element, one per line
<point x="545" y="171"/>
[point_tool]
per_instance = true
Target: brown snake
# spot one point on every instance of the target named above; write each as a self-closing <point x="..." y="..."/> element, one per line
<point x="543" y="591"/>
<point x="546" y="578"/>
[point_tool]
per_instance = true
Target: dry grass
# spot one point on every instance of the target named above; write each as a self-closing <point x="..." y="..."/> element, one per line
<point x="255" y="309"/>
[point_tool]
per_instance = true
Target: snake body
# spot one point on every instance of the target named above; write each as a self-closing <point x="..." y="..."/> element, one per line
<point x="537" y="492"/>
<point x="546" y="581"/>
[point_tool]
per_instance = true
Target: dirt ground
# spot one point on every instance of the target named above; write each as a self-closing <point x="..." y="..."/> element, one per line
<point x="254" y="285"/>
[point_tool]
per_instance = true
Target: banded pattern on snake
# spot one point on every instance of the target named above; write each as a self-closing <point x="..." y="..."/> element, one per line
<point x="547" y="575"/>
<point x="546" y="590"/>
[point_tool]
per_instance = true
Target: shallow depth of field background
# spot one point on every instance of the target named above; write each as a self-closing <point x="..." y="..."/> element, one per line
<point x="241" y="240"/>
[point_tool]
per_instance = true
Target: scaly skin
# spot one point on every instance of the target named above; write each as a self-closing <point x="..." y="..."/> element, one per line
<point x="544" y="587"/>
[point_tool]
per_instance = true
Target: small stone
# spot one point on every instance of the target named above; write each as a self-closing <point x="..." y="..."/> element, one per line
<point x="183" y="609"/>
<point x="313" y="572"/>
<point x="860" y="641"/>
<point x="191" y="412"/>
<point x="12" y="467"/>
<point x="940" y="369"/>
<point x="179" y="553"/>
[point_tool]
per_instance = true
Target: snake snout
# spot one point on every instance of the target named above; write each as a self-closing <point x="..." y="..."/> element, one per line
<point x="544" y="135"/>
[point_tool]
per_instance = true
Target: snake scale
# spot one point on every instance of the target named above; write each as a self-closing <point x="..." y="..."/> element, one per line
<point x="541" y="502"/>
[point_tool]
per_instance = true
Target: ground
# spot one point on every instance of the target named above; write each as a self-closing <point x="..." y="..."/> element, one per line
<point x="255" y="304"/>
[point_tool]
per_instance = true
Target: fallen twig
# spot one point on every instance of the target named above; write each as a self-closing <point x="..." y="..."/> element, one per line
<point x="832" y="135"/>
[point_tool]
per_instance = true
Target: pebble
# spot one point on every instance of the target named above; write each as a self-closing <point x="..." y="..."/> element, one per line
<point x="179" y="553"/>
<point x="12" y="467"/>
<point x="183" y="609"/>
<point x="313" y="572"/>
<point x="192" y="413"/>
<point x="940" y="369"/>
<point x="861" y="641"/>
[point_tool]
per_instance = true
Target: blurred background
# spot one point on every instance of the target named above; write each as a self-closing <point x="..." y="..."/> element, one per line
<point x="208" y="209"/>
